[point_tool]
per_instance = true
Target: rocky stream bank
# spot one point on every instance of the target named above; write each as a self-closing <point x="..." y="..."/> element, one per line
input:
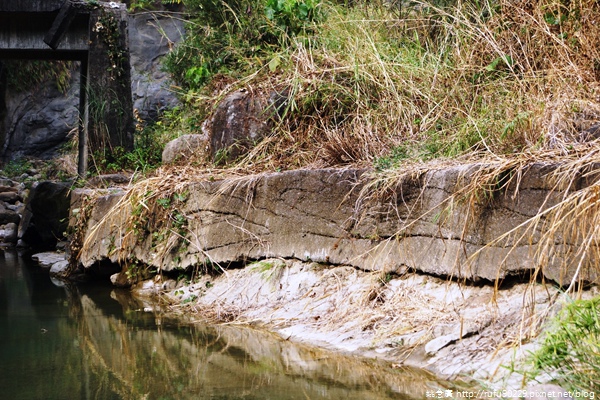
<point x="321" y="256"/>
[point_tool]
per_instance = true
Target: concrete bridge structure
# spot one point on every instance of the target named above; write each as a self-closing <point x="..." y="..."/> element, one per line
<point x="93" y="33"/>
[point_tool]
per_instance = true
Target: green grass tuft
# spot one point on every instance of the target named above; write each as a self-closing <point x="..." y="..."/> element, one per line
<point x="571" y="350"/>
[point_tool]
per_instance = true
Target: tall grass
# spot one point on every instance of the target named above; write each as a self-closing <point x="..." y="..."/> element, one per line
<point x="373" y="80"/>
<point x="570" y="352"/>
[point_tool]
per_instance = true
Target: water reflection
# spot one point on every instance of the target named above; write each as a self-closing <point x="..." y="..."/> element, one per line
<point x="93" y="342"/>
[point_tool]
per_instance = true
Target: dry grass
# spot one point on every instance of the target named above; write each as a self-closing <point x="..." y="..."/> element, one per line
<point x="562" y="235"/>
<point x="381" y="85"/>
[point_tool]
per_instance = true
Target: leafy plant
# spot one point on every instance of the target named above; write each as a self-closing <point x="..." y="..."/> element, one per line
<point x="292" y="16"/>
<point x="23" y="75"/>
<point x="164" y="202"/>
<point x="396" y="156"/>
<point x="16" y="168"/>
<point x="150" y="4"/>
<point x="191" y="298"/>
<point x="571" y="349"/>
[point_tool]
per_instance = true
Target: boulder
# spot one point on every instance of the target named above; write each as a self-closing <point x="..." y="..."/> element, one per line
<point x="319" y="215"/>
<point x="48" y="259"/>
<point x="8" y="233"/>
<point x="185" y="147"/>
<point x="120" y="279"/>
<point x="10" y="197"/>
<point x="239" y="122"/>
<point x="44" y="220"/>
<point x="8" y="216"/>
<point x="59" y="269"/>
<point x="4" y="188"/>
<point x="152" y="36"/>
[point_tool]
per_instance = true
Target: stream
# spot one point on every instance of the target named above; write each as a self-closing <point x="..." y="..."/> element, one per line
<point x="92" y="341"/>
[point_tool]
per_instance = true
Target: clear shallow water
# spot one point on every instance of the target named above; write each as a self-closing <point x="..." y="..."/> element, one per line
<point x="62" y="341"/>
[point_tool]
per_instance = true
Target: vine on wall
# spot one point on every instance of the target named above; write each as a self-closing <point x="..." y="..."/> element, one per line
<point x="107" y="28"/>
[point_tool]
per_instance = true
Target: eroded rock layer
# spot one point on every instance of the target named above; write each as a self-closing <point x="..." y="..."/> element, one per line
<point x="426" y="222"/>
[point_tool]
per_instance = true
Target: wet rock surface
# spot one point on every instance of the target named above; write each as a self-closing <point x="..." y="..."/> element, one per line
<point x="449" y="328"/>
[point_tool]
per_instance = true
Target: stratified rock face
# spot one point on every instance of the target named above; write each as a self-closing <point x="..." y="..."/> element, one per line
<point x="320" y="215"/>
<point x="152" y="36"/>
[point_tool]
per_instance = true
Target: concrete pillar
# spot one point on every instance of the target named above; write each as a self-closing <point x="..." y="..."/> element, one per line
<point x="82" y="163"/>
<point x="110" y="105"/>
<point x="3" y="85"/>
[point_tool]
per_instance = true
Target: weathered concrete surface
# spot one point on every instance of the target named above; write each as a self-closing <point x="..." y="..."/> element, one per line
<point x="319" y="215"/>
<point x="109" y="69"/>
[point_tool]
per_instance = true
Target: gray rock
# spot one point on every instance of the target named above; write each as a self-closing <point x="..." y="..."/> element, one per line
<point x="151" y="37"/>
<point x="184" y="147"/>
<point x="44" y="220"/>
<point x="11" y="188"/>
<point x="590" y="134"/>
<point x="58" y="282"/>
<point x="18" y="207"/>
<point x="239" y="122"/>
<point x="8" y="216"/>
<point x="109" y="179"/>
<point x="38" y="123"/>
<point x="48" y="259"/>
<point x="120" y="280"/>
<point x="8" y="233"/>
<point x="10" y="197"/>
<point x="59" y="268"/>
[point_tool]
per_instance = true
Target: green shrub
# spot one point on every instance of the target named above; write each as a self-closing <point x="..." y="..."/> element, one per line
<point x="292" y="15"/>
<point x="571" y="349"/>
<point x="23" y="75"/>
<point x="150" y="4"/>
<point x="235" y="37"/>
<point x="15" y="168"/>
